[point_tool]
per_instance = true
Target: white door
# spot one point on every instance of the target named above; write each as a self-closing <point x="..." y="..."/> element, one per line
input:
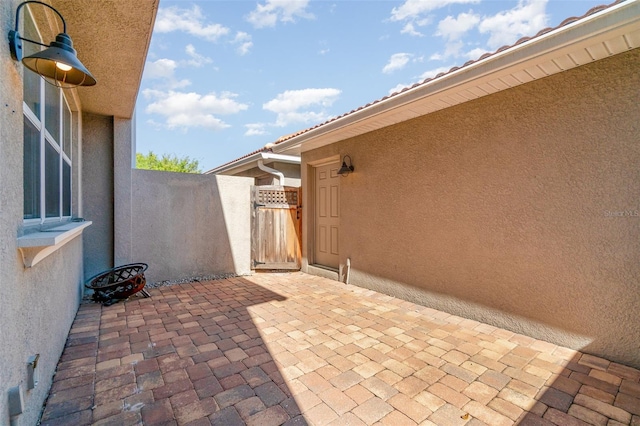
<point x="327" y="215"/>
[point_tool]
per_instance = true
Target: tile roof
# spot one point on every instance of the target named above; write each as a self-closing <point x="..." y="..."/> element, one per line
<point x="258" y="151"/>
<point x="540" y="33"/>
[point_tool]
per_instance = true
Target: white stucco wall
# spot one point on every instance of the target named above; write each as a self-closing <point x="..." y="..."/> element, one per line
<point x="187" y="225"/>
<point x="37" y="305"/>
<point x="507" y="209"/>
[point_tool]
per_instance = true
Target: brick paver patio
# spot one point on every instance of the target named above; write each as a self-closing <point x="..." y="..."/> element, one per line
<point x="294" y="349"/>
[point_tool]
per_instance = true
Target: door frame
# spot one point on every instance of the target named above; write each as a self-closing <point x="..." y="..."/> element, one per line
<point x="310" y="195"/>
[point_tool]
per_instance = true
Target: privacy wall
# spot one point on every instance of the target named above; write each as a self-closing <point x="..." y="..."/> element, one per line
<point x="188" y="225"/>
<point x="520" y="209"/>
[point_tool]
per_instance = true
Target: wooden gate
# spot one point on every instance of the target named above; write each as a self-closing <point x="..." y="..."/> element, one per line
<point x="276" y="231"/>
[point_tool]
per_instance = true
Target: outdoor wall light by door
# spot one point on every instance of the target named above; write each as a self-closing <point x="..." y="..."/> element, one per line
<point x="58" y="64"/>
<point x="345" y="170"/>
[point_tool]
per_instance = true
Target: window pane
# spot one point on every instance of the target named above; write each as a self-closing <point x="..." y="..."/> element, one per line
<point x="31" y="171"/>
<point x="51" y="181"/>
<point x="66" y="129"/>
<point x="52" y="110"/>
<point x="31" y="92"/>
<point x="66" y="189"/>
<point x="31" y="88"/>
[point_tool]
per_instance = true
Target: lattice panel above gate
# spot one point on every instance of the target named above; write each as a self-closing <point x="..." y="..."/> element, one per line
<point x="275" y="196"/>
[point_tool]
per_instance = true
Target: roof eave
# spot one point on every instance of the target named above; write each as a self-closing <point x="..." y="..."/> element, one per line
<point x="516" y="65"/>
<point x="112" y="40"/>
<point x="251" y="161"/>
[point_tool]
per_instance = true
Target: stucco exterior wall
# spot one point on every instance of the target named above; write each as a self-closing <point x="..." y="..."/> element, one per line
<point x="98" y="193"/>
<point x="519" y="209"/>
<point x="38" y="304"/>
<point x="36" y="311"/>
<point x="186" y="225"/>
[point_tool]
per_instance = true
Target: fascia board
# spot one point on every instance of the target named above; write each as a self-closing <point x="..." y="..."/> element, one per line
<point x="251" y="161"/>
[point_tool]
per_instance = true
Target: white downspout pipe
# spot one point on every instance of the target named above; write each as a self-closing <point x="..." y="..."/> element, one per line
<point x="269" y="170"/>
<point x="346" y="281"/>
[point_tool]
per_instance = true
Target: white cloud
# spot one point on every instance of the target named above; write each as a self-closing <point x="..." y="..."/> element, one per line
<point x="295" y="99"/>
<point x="244" y="41"/>
<point x="190" y="21"/>
<point x="398" y="88"/>
<point x="255" y="129"/>
<point x="272" y="11"/>
<point x="302" y="106"/>
<point x="455" y="50"/>
<point x="154" y="124"/>
<point x="164" y="69"/>
<point x="433" y="72"/>
<point x="416" y="13"/>
<point x="504" y="28"/>
<point x="410" y="29"/>
<point x="425" y="75"/>
<point x="308" y="117"/>
<point x="397" y="62"/>
<point x="412" y="9"/>
<point x="454" y="28"/>
<point x="197" y="60"/>
<point x="324" y="47"/>
<point x="183" y="110"/>
<point x="193" y="21"/>
<point x="475" y="53"/>
<point x="452" y="49"/>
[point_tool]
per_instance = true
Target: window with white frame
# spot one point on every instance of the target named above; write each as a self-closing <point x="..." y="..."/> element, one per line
<point x="47" y="144"/>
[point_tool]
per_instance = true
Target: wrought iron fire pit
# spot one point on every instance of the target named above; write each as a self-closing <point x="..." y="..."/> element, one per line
<point x="118" y="283"/>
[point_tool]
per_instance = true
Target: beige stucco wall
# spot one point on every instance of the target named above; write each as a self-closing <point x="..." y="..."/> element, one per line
<point x="182" y="225"/>
<point x="507" y="209"/>
<point x="38" y="304"/>
<point x="188" y="225"/>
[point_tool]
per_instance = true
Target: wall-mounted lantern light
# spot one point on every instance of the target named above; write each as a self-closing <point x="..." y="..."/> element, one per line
<point x="345" y="169"/>
<point x="58" y="64"/>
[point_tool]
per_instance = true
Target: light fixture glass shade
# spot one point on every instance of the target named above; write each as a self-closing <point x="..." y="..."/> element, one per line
<point x="59" y="64"/>
<point x="345" y="170"/>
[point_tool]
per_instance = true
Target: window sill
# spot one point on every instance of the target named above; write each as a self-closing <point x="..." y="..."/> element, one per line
<point x="38" y="245"/>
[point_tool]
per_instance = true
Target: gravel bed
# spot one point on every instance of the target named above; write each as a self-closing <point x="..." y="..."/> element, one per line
<point x="88" y="294"/>
<point x="190" y="280"/>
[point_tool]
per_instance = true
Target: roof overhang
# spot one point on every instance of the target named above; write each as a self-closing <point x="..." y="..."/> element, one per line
<point x="112" y="39"/>
<point x="611" y="31"/>
<point x="251" y="161"/>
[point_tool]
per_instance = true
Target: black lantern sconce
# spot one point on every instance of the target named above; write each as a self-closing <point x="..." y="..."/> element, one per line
<point x="345" y="169"/>
<point x="58" y="64"/>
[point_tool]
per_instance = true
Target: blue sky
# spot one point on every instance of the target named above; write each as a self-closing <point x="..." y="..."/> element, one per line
<point x="224" y="78"/>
